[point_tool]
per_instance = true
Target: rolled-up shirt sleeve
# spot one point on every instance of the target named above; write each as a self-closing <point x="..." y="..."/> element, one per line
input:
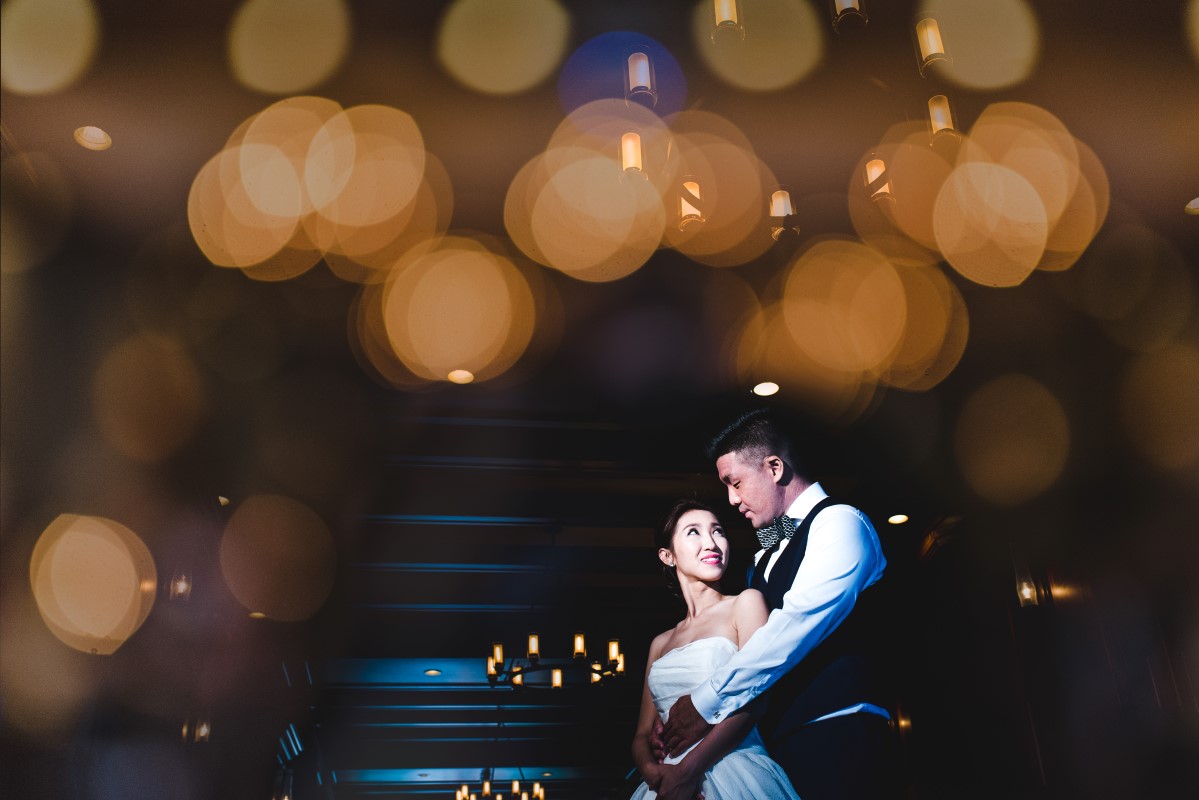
<point x="843" y="557"/>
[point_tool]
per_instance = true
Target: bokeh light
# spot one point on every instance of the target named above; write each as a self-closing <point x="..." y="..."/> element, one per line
<point x="990" y="45"/>
<point x="784" y="43"/>
<point x="844" y="306"/>
<point x="458" y="306"/>
<point x="990" y="224"/>
<point x="46" y="45"/>
<point x="1159" y="393"/>
<point x="147" y="396"/>
<point x="486" y="46"/>
<point x="935" y="334"/>
<point x="94" y="581"/>
<point x="92" y="138"/>
<point x="1137" y="284"/>
<point x="1011" y="440"/>
<point x="288" y="46"/>
<point x="36" y="205"/>
<point x="278" y="558"/>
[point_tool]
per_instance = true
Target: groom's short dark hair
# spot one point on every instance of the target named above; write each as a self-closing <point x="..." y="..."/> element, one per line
<point x="756" y="434"/>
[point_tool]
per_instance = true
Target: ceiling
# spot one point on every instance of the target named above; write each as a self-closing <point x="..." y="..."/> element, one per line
<point x="466" y="515"/>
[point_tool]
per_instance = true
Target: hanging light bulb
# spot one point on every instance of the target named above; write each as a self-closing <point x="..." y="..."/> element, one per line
<point x="848" y="13"/>
<point x="940" y="116"/>
<point x="930" y="49"/>
<point x="639" y="84"/>
<point x="630" y="154"/>
<point x="729" y="25"/>
<point x="782" y="213"/>
<point x="878" y="183"/>
<point x="690" y="202"/>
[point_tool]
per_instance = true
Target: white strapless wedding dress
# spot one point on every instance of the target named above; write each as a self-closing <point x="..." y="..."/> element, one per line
<point x="746" y="773"/>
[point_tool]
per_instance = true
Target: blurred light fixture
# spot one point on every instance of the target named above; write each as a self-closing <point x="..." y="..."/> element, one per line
<point x="630" y="153"/>
<point x="464" y="792"/>
<point x="515" y="671"/>
<point x="93" y="138"/>
<point x="766" y="388"/>
<point x="222" y="501"/>
<point x="690" y="203"/>
<point x="639" y="84"/>
<point x="432" y="673"/>
<point x="729" y="25"/>
<point x="1192" y="207"/>
<point x="930" y="49"/>
<point x="848" y="14"/>
<point x="1026" y="587"/>
<point x="284" y="778"/>
<point x="878" y="181"/>
<point x="782" y="214"/>
<point x="180" y="587"/>
<point x="897" y="519"/>
<point x="460" y="376"/>
<point x="940" y="116"/>
<point x="202" y="730"/>
<point x="257" y="615"/>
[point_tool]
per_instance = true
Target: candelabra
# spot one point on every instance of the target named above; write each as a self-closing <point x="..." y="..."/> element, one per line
<point x="534" y="672"/>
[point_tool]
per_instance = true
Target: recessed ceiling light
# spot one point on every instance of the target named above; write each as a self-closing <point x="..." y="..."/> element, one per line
<point x="460" y="376"/>
<point x="432" y="672"/>
<point x="1193" y="207"/>
<point x="547" y="774"/>
<point x="93" y="138"/>
<point x="257" y="615"/>
<point x="766" y="388"/>
<point x="897" y="519"/>
<point x="223" y="500"/>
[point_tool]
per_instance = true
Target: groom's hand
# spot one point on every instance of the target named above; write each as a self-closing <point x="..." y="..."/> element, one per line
<point x="657" y="747"/>
<point x="685" y="726"/>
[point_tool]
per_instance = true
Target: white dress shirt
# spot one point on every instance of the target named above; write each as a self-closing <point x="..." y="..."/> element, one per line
<point x="843" y="557"/>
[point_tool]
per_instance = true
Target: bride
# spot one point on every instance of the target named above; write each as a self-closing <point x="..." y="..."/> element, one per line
<point x="730" y="763"/>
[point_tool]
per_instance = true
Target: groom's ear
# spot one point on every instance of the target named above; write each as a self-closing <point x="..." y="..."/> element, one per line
<point x="777" y="468"/>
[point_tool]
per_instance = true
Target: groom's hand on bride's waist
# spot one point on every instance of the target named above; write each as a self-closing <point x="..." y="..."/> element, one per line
<point x="684" y="728"/>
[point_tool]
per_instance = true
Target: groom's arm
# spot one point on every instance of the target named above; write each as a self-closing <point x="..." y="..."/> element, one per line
<point x="843" y="557"/>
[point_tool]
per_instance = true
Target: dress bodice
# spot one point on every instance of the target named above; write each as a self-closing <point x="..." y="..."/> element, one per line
<point x="679" y="671"/>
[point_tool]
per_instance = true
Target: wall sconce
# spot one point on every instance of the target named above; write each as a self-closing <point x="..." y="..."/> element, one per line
<point x="878" y="182"/>
<point x="630" y="154"/>
<point x="782" y="214"/>
<point x="639" y="84"/>
<point x="515" y="672"/>
<point x="180" y="587"/>
<point x="690" y="203"/>
<point x="930" y="49"/>
<point x="729" y="25"/>
<point x="848" y="13"/>
<point x="940" y="117"/>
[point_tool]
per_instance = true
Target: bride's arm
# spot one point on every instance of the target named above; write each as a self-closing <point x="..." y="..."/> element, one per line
<point x="749" y="614"/>
<point x="643" y="757"/>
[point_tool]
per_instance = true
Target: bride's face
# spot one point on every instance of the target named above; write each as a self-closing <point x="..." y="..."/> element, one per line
<point x="698" y="548"/>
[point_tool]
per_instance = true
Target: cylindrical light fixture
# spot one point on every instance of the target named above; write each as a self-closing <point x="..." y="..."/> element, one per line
<point x="580" y="646"/>
<point x="639" y="84"/>
<point x="596" y="672"/>
<point x="878" y="184"/>
<point x="848" y="13"/>
<point x="728" y="25"/>
<point x="518" y="678"/>
<point x="497" y="652"/>
<point x="534" y="647"/>
<point x="940" y="116"/>
<point x="556" y="679"/>
<point x="620" y="664"/>
<point x="782" y="213"/>
<point x="491" y="666"/>
<point x="690" y="200"/>
<point x="930" y="49"/>
<point x="515" y="787"/>
<point x="613" y="650"/>
<point x="630" y="153"/>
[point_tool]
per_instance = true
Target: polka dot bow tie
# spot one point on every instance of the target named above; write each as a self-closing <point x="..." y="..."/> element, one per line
<point x="772" y="534"/>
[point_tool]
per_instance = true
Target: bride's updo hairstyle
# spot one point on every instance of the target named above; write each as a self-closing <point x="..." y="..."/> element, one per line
<point x="664" y="537"/>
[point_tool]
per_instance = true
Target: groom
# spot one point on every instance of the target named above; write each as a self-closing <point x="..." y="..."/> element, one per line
<point x="824" y="721"/>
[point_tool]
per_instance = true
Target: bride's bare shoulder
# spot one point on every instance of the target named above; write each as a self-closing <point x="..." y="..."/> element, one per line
<point x="661" y="644"/>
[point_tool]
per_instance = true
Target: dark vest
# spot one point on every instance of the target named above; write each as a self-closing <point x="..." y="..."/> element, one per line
<point x="840" y="671"/>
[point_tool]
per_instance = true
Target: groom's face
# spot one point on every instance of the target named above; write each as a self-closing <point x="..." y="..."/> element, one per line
<point x="753" y="485"/>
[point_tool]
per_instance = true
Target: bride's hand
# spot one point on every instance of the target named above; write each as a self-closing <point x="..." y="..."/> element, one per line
<point x="656" y="746"/>
<point x="677" y="783"/>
